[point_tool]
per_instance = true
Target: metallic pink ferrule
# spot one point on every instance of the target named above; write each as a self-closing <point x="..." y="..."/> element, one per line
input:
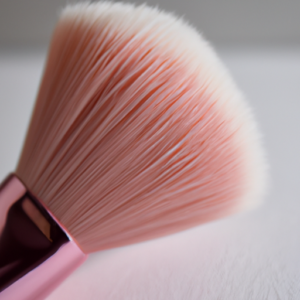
<point x="31" y="266"/>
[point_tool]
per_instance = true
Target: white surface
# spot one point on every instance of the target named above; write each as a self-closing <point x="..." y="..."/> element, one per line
<point x="255" y="255"/>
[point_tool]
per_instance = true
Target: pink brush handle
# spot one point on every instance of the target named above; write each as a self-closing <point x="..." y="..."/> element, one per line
<point x="51" y="264"/>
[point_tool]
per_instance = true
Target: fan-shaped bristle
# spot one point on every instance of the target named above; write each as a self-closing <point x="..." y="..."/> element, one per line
<point x="138" y="131"/>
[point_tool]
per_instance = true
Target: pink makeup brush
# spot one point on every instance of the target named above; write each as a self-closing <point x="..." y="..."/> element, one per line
<point x="138" y="132"/>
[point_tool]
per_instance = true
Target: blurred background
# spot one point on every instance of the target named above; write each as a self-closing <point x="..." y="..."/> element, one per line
<point x="255" y="22"/>
<point x="254" y="255"/>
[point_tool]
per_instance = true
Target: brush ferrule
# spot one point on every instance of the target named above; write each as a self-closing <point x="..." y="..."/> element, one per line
<point x="36" y="252"/>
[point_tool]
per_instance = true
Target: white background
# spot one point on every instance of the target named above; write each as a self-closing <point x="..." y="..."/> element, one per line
<point x="254" y="255"/>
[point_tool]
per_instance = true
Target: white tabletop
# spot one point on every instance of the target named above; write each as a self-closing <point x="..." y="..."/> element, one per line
<point x="254" y="255"/>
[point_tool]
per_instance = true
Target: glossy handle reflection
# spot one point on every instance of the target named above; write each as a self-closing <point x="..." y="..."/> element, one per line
<point x="33" y="260"/>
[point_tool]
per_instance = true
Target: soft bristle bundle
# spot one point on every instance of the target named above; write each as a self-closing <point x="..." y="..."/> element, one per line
<point x="138" y="130"/>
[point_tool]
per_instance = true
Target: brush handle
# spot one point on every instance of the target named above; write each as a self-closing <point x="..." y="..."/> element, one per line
<point x="36" y="254"/>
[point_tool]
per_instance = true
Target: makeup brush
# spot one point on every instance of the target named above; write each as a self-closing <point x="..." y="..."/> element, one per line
<point x="138" y="132"/>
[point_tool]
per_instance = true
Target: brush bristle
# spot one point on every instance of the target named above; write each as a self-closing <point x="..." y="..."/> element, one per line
<point x="138" y="130"/>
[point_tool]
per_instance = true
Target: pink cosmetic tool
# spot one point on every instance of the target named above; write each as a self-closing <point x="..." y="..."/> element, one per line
<point x="138" y="132"/>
